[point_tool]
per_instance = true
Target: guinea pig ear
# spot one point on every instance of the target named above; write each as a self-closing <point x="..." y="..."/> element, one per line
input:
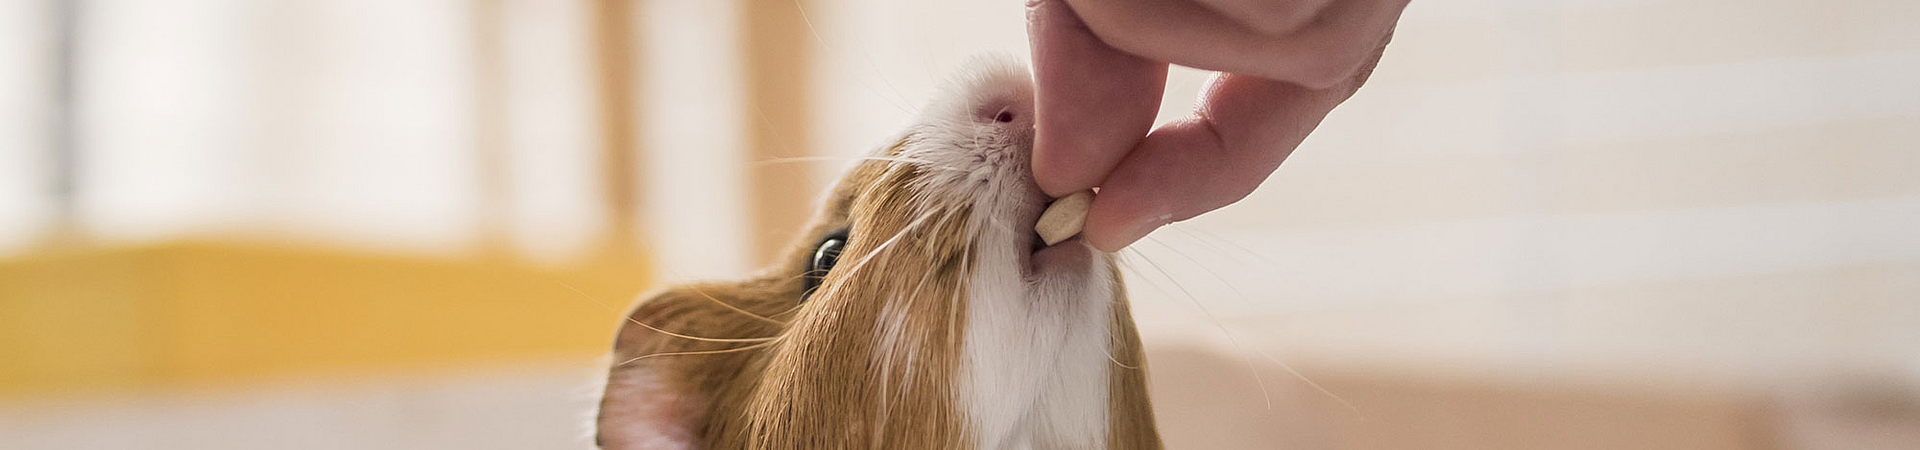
<point x="674" y="351"/>
<point x="650" y="403"/>
<point x="642" y="410"/>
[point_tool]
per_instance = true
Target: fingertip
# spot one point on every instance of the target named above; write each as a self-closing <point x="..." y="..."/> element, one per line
<point x="1037" y="7"/>
<point x="1245" y="130"/>
<point x="1092" y="102"/>
<point x="1053" y="170"/>
<point x="1173" y="175"/>
<point x="1122" y="215"/>
<point x="1114" y="239"/>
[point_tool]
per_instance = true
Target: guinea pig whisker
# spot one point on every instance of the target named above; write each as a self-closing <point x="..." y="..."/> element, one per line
<point x="1182" y="288"/>
<point x="1242" y="296"/>
<point x="898" y="101"/>
<point x="1263" y="353"/>
<point x="703" y="294"/>
<point x="823" y="158"/>
<point x="702" y="352"/>
<point x="1209" y="244"/>
<point x="1240" y="349"/>
<point x="1141" y="275"/>
<point x="583" y="294"/>
<point x="1243" y="249"/>
<point x="953" y="311"/>
<point x="977" y="132"/>
<point x="1127" y="265"/>
<point x="1109" y="353"/>
<point x="877" y="250"/>
<point x="1309" y="381"/>
<point x="890" y="338"/>
<point x="995" y="223"/>
<point x="895" y="159"/>
<point x="698" y="338"/>
<point x="1282" y="268"/>
<point x="1233" y="338"/>
<point x="829" y="289"/>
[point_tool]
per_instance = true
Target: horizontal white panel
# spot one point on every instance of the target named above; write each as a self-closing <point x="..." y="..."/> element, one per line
<point x="1523" y="114"/>
<point x="694" y="167"/>
<point x="161" y="124"/>
<point x="26" y="75"/>
<point x="553" y="162"/>
<point x="374" y="136"/>
<point x="492" y="409"/>
<point x="1345" y="267"/>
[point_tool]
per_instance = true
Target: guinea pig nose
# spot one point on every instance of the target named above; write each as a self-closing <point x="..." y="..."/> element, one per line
<point x="1006" y="111"/>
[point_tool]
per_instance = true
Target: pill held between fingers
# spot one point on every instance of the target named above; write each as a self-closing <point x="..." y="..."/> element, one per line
<point x="1064" y="218"/>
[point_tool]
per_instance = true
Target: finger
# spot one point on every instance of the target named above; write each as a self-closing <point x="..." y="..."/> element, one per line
<point x="1245" y="127"/>
<point x="1092" y="103"/>
<point x="1324" y="51"/>
<point x="1268" y="17"/>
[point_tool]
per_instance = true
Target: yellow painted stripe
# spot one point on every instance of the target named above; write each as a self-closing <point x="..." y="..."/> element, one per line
<point x="191" y="313"/>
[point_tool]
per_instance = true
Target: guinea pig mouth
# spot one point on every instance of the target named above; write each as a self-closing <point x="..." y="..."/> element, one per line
<point x="1071" y="256"/>
<point x="1067" y="258"/>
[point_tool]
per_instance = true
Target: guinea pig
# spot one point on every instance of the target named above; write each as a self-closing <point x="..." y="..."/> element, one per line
<point x="917" y="311"/>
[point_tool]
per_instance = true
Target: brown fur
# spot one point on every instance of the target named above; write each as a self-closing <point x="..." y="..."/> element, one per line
<point x="823" y="380"/>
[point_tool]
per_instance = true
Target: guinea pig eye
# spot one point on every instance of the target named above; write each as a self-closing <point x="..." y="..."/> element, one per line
<point x="825" y="255"/>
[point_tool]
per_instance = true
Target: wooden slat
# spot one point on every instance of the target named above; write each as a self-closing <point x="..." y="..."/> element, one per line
<point x="616" y="51"/>
<point x="188" y="314"/>
<point x="490" y="123"/>
<point x="778" y="59"/>
<point x="62" y="127"/>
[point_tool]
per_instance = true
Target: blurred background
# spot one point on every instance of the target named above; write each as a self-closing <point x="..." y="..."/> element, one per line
<point x="326" y="224"/>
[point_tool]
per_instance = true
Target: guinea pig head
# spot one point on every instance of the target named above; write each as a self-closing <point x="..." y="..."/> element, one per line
<point x="918" y="310"/>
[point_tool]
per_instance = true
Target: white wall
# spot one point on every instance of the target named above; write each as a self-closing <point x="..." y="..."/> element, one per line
<point x="345" y="122"/>
<point x="1622" y="191"/>
<point x="695" y="132"/>
<point x="26" y="45"/>
<point x="506" y="408"/>
<point x="1708" y="190"/>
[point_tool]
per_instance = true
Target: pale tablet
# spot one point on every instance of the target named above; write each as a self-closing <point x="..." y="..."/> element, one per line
<point x="1064" y="218"/>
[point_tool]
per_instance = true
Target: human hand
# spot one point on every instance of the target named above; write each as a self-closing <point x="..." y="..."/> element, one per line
<point x="1100" y="68"/>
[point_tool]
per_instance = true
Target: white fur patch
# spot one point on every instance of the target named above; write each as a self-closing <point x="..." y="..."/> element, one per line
<point x="1034" y="373"/>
